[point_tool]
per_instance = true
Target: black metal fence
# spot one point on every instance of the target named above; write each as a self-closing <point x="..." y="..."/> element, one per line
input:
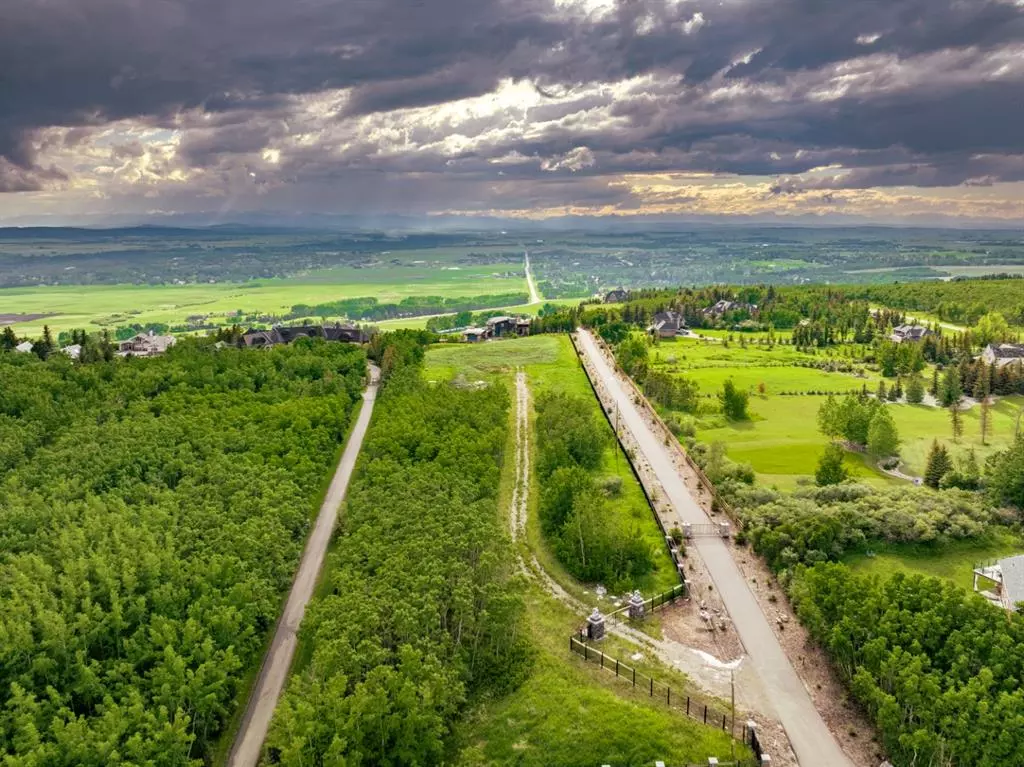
<point x="672" y="547"/>
<point x="694" y="707"/>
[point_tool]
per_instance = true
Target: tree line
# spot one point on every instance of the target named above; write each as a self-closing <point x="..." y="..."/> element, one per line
<point x="370" y="309"/>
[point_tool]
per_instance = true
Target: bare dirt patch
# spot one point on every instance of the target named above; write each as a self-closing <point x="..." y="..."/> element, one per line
<point x="11" y="319"/>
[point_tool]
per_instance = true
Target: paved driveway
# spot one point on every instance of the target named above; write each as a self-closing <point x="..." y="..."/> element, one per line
<point x="810" y="737"/>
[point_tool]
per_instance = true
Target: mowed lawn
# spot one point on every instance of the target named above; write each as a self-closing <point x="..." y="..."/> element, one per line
<point x="95" y="306"/>
<point x="551" y="365"/>
<point x="953" y="561"/>
<point x="781" y="441"/>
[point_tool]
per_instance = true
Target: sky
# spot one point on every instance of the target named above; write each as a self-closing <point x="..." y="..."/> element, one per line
<point x="888" y="111"/>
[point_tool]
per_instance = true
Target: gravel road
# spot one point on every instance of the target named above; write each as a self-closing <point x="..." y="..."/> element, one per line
<point x="263" y="699"/>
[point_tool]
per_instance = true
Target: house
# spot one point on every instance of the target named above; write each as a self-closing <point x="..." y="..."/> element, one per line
<point x="502" y="326"/>
<point x="1003" y="354"/>
<point x="616" y="296"/>
<point x="721" y="307"/>
<point x="282" y="334"/>
<point x="523" y="326"/>
<point x="908" y="333"/>
<point x="1007" y="578"/>
<point x="145" y="345"/>
<point x="473" y="335"/>
<point x="24" y="347"/>
<point x="74" y="351"/>
<point x="667" y="324"/>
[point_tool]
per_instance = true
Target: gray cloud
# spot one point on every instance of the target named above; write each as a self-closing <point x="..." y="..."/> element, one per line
<point x="908" y="92"/>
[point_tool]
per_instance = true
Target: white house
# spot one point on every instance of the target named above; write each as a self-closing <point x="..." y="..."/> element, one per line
<point x="24" y="347"/>
<point x="145" y="345"/>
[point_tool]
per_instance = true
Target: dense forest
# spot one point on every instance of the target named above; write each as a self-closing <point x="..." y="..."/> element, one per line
<point x="417" y="616"/>
<point x="958" y="301"/>
<point x="152" y="513"/>
<point x="937" y="669"/>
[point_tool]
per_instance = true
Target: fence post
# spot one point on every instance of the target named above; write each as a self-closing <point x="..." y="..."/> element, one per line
<point x="687" y="705"/>
<point x="634" y="677"/>
<point x="586" y="651"/>
<point x="602" y="660"/>
<point x="705" y="714"/>
<point x="616" y="667"/>
<point x="668" y="696"/>
<point x="652" y="686"/>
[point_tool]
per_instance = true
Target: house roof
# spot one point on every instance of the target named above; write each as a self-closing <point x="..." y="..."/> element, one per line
<point x="914" y="331"/>
<point x="24" y="346"/>
<point x="1007" y="351"/>
<point x="499" y="320"/>
<point x="1013" y="578"/>
<point x="74" y="351"/>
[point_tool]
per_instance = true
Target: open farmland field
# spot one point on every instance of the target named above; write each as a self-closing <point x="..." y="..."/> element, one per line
<point x="97" y="306"/>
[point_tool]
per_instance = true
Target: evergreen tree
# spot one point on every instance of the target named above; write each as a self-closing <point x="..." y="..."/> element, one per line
<point x="7" y="339"/>
<point x="938" y="464"/>
<point x="831" y="470"/>
<point x="951" y="391"/>
<point x="915" y="390"/>
<point x="934" y="388"/>
<point x="956" y="420"/>
<point x="882" y="394"/>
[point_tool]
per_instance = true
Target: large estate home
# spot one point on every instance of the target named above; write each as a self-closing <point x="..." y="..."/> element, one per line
<point x="282" y="334"/>
<point x="1002" y="355"/>
<point x="908" y="333"/>
<point x="667" y="324"/>
<point x="719" y="308"/>
<point x="145" y="345"/>
<point x="498" y="327"/>
<point x="616" y="296"/>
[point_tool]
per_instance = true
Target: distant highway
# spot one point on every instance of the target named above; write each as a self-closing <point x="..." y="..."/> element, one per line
<point x="808" y="734"/>
<point x="263" y="699"/>
<point x="534" y="295"/>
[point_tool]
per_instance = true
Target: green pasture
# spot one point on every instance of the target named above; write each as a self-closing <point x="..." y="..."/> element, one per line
<point x="551" y="365"/>
<point x="96" y="306"/>
<point x="953" y="561"/>
<point x="781" y="441"/>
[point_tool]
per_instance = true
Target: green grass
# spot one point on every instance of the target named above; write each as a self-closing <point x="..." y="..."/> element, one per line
<point x="953" y="561"/>
<point x="92" y="306"/>
<point x="567" y="712"/>
<point x="551" y="365"/>
<point x="570" y="713"/>
<point x="781" y="441"/>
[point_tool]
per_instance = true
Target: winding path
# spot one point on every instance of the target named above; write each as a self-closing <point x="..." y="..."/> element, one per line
<point x="534" y="295"/>
<point x="263" y="699"/>
<point x="810" y="737"/>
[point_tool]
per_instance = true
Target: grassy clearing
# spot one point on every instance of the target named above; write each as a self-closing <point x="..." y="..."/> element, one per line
<point x="567" y="713"/>
<point x="953" y="561"/>
<point x="551" y="365"/>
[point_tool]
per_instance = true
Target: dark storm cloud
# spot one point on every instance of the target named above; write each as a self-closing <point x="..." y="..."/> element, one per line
<point x="227" y="73"/>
